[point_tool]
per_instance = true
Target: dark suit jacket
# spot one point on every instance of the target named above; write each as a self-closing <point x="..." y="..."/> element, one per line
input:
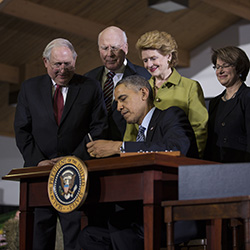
<point x="117" y="123"/>
<point x="39" y="137"/>
<point x="168" y="130"/>
<point x="232" y="143"/>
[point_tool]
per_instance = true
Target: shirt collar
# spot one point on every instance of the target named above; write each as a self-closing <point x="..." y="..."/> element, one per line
<point x="147" y="119"/>
<point x="174" y="78"/>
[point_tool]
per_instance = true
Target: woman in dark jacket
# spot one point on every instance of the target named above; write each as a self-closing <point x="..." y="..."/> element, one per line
<point x="229" y="112"/>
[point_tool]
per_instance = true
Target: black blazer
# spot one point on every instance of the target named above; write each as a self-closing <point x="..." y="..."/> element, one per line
<point x="117" y="123"/>
<point x="232" y="143"/>
<point x="168" y="130"/>
<point x="38" y="136"/>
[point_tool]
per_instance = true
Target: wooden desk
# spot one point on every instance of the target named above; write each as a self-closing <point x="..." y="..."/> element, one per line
<point x="150" y="178"/>
<point x="208" y="209"/>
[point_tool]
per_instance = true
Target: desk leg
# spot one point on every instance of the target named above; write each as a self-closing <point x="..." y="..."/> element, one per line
<point x="234" y="224"/>
<point x="247" y="232"/>
<point x="168" y="219"/>
<point x="26" y="231"/>
<point x="152" y="209"/>
<point x="26" y="220"/>
<point x="170" y="236"/>
<point x="152" y="226"/>
<point x="214" y="234"/>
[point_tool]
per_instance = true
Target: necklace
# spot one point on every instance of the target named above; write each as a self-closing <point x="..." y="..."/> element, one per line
<point x="232" y="97"/>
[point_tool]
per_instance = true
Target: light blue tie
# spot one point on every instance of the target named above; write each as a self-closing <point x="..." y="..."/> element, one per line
<point x="141" y="135"/>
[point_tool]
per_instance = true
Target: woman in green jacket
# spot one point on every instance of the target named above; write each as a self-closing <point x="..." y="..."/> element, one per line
<point x="158" y="51"/>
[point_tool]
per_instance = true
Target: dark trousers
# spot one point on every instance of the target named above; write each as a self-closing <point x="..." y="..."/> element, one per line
<point x="124" y="231"/>
<point x="45" y="229"/>
<point x="120" y="234"/>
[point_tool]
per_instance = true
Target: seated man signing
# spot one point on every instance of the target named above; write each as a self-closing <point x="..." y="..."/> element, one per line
<point x="161" y="130"/>
<point x="158" y="130"/>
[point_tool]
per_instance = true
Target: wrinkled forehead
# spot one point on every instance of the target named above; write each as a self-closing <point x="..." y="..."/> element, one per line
<point x="111" y="38"/>
<point x="63" y="54"/>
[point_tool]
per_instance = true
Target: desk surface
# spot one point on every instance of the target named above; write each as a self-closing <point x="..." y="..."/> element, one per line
<point x="150" y="161"/>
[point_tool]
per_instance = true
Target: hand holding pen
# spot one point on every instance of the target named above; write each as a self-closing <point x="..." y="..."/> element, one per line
<point x="103" y="148"/>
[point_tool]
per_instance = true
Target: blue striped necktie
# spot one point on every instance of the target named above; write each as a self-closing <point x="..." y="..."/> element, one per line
<point x="141" y="135"/>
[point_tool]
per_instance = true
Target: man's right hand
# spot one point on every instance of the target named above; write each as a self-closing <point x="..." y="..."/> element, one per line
<point x="46" y="163"/>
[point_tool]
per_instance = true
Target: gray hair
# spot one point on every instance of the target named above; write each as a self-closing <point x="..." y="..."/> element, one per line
<point x="59" y="42"/>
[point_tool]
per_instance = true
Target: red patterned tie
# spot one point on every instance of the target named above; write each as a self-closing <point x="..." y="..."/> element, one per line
<point x="58" y="104"/>
<point x="108" y="90"/>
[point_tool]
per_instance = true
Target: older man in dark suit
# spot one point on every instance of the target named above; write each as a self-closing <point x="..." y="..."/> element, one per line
<point x="158" y="131"/>
<point x="113" y="48"/>
<point x="54" y="114"/>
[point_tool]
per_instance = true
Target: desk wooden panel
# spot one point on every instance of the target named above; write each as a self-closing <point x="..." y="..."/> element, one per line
<point x="150" y="178"/>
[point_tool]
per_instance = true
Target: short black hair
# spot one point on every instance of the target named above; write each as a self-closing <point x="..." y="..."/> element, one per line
<point x="138" y="82"/>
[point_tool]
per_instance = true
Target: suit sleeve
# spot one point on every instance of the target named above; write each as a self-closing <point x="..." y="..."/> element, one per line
<point x="198" y="116"/>
<point x="247" y="123"/>
<point x="31" y="153"/>
<point x="173" y="132"/>
<point x="98" y="123"/>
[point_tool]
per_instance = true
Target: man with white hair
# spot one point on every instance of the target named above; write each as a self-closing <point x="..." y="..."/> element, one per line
<point x="54" y="114"/>
<point x="113" y="49"/>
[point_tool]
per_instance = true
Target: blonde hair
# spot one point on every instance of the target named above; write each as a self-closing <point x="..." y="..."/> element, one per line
<point x="161" y="41"/>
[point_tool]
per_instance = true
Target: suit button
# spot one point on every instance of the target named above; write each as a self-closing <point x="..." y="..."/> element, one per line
<point x="223" y="124"/>
<point x="225" y="140"/>
<point x="157" y="99"/>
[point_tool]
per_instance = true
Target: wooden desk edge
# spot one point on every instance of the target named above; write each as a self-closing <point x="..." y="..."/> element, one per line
<point x="206" y="201"/>
<point x="112" y="163"/>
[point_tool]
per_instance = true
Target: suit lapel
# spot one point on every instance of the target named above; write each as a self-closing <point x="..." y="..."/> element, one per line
<point x="129" y="69"/>
<point x="46" y="92"/>
<point x="152" y="125"/>
<point x="229" y="108"/>
<point x="100" y="74"/>
<point x="71" y="97"/>
<point x="234" y="102"/>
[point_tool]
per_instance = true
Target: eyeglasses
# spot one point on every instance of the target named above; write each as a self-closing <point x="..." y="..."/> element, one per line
<point x="58" y="65"/>
<point x="113" y="49"/>
<point x="224" y="66"/>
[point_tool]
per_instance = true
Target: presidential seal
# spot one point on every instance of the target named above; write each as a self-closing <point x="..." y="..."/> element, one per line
<point x="68" y="184"/>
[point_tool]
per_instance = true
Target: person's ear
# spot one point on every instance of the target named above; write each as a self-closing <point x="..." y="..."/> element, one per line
<point x="125" y="48"/>
<point x="145" y="93"/>
<point x="169" y="58"/>
<point x="46" y="62"/>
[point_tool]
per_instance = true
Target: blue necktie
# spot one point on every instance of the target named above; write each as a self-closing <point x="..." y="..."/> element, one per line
<point x="141" y="135"/>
